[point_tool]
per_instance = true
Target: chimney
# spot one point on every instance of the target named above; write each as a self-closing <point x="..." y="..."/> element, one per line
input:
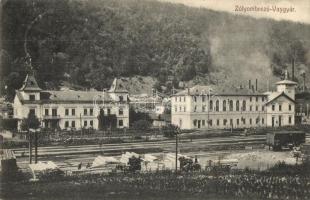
<point x="249" y="84"/>
<point x="256" y="85"/>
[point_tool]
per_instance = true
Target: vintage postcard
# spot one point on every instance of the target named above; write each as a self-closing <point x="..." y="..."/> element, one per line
<point x="155" y="99"/>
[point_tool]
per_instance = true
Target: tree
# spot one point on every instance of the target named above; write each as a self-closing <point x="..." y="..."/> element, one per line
<point x="31" y="122"/>
<point x="141" y="124"/>
<point x="170" y="130"/>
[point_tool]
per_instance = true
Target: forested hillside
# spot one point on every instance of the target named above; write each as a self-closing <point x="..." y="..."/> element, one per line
<point x="88" y="43"/>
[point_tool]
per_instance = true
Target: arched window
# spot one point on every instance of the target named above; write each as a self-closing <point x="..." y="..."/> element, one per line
<point x="211" y="105"/>
<point x="237" y="105"/>
<point x="217" y="105"/>
<point x="231" y="105"/>
<point x="243" y="105"/>
<point x="224" y="105"/>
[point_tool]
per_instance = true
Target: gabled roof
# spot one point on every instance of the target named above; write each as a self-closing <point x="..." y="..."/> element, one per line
<point x="272" y="97"/>
<point x="118" y="86"/>
<point x="216" y="90"/>
<point x="30" y="84"/>
<point x="69" y="97"/>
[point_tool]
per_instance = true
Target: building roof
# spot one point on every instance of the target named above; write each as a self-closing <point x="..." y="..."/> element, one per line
<point x="30" y="84"/>
<point x="118" y="86"/>
<point x="216" y="90"/>
<point x="286" y="82"/>
<point x="69" y="97"/>
<point x="275" y="95"/>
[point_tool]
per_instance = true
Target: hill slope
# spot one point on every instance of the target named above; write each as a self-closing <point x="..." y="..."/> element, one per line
<point x="91" y="42"/>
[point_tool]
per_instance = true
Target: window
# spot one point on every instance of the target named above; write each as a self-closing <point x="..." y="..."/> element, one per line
<point x="289" y="107"/>
<point x="289" y="119"/>
<point x="224" y="105"/>
<point x="195" y="122"/>
<point x="280" y="107"/>
<point x="243" y="120"/>
<point x="175" y="109"/>
<point x="273" y="107"/>
<point x="211" y="105"/>
<point x="91" y="112"/>
<point x="121" y="98"/>
<point x="231" y="105"/>
<point x="184" y="99"/>
<point x="250" y="120"/>
<point x="225" y="122"/>
<point x="109" y="111"/>
<point x="73" y="112"/>
<point x="85" y="123"/>
<point x="32" y="111"/>
<point x="203" y="122"/>
<point x="184" y="108"/>
<point x="217" y="105"/>
<point x="256" y="108"/>
<point x="237" y="121"/>
<point x="263" y="108"/>
<point x="85" y="111"/>
<point x="46" y="112"/>
<point x="263" y="99"/>
<point x="73" y="124"/>
<point x="237" y="105"/>
<point x="180" y="108"/>
<point x="195" y="98"/>
<point x="91" y="123"/>
<point x="67" y="112"/>
<point x="46" y="124"/>
<point x="263" y="120"/>
<point x="120" y="111"/>
<point x="231" y="122"/>
<point x="203" y="98"/>
<point x="210" y="122"/>
<point x="195" y="109"/>
<point x="176" y="99"/>
<point x="250" y="108"/>
<point x="180" y="99"/>
<point x="54" y="111"/>
<point x="251" y="99"/>
<point x="217" y="122"/>
<point x="256" y="99"/>
<point x="243" y="105"/>
<point x="32" y="97"/>
<point x="203" y="108"/>
<point x="66" y="124"/>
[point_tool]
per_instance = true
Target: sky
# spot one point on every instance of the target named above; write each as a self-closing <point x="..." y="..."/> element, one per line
<point x="301" y="12"/>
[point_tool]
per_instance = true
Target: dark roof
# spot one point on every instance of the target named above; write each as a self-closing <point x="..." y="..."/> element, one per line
<point x="118" y="86"/>
<point x="216" y="90"/>
<point x="273" y="98"/>
<point x="69" y="97"/>
<point x="30" y="84"/>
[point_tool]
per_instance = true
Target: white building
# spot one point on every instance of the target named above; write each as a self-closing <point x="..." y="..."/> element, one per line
<point x="204" y="107"/>
<point x="72" y="109"/>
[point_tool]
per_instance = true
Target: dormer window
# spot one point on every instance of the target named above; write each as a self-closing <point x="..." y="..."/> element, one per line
<point x="32" y="97"/>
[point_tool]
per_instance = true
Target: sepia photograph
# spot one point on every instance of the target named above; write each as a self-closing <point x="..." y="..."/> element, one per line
<point x="155" y="99"/>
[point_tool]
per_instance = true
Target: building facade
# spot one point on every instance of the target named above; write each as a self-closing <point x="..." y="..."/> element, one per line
<point x="203" y="107"/>
<point x="72" y="109"/>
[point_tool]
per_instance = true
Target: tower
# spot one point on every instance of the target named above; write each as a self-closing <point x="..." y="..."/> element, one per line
<point x="30" y="89"/>
<point x="287" y="86"/>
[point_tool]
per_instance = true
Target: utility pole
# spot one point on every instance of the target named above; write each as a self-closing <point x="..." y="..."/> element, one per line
<point x="176" y="151"/>
<point x="30" y="147"/>
<point x="35" y="147"/>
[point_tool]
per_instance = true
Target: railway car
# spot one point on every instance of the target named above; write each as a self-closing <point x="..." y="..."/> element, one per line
<point x="285" y="139"/>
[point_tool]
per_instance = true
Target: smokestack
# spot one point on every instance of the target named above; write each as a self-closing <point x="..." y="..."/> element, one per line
<point x="249" y="84"/>
<point x="255" y="84"/>
<point x="293" y="69"/>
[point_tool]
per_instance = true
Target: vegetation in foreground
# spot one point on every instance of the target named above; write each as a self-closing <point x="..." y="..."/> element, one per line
<point x="281" y="182"/>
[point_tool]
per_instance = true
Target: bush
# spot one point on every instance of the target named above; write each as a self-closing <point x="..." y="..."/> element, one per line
<point x="142" y="125"/>
<point x="170" y="130"/>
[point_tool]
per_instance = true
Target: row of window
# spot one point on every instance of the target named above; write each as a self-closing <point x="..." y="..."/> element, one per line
<point x="87" y="112"/>
<point x="85" y="123"/>
<point x="273" y="107"/>
<point x="225" y="122"/>
<point x="203" y="98"/>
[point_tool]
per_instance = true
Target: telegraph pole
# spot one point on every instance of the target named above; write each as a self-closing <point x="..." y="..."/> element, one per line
<point x="35" y="147"/>
<point x="176" y="151"/>
<point x="30" y="147"/>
